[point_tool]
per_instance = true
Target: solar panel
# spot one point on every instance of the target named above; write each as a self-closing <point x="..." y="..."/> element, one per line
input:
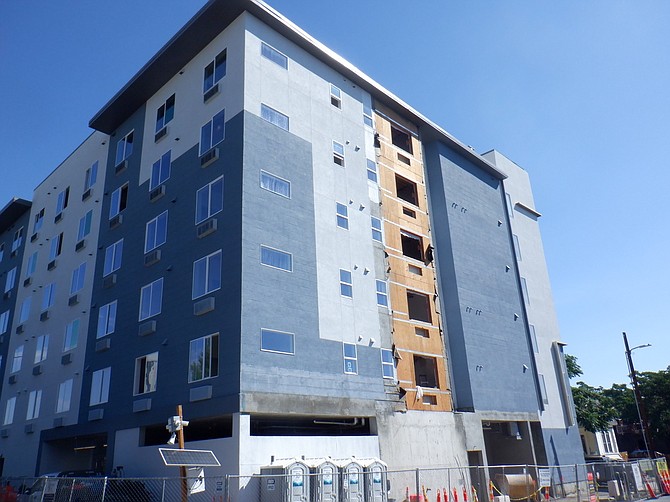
<point x="189" y="458"/>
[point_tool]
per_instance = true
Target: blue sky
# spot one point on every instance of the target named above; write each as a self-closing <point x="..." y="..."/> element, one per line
<point x="576" y="92"/>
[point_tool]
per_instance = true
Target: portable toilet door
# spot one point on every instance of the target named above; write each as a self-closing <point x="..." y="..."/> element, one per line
<point x="326" y="482"/>
<point x="375" y="482"/>
<point x="298" y="482"/>
<point x="353" y="485"/>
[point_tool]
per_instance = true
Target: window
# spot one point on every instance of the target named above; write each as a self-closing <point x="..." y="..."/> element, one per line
<point x="63" y="199"/>
<point x="56" y="247"/>
<point x="203" y="358"/>
<point x="533" y="338"/>
<point x="2" y="251"/>
<point x="41" y="348"/>
<point x="78" y="277"/>
<point x="71" y="335"/>
<point x="151" y="299"/>
<point x="338" y="153"/>
<point x="31" y="265"/>
<point x="274" y="55"/>
<point x="214" y="71"/>
<point x="10" y="280"/>
<point x="9" y="411"/>
<point x="406" y="190"/>
<point x="39" y="219"/>
<point x="100" y="386"/>
<point x="276" y="259"/>
<point x="350" y="358"/>
<point x="382" y="294"/>
<point x="165" y="113"/>
<point x="160" y="171"/>
<point x="106" y="319"/>
<point x="64" y="396"/>
<point x="376" y="224"/>
<point x="85" y="225"/>
<point x="275" y="184"/>
<point x="113" y="255"/>
<point x="18" y="239"/>
<point x="342" y="215"/>
<point x="418" y="306"/>
<point x="146" y="373"/>
<point x="156" y="232"/>
<point x="119" y="201"/>
<point x="412" y="245"/>
<point x="425" y="372"/>
<point x="372" y="170"/>
<point x="206" y="275"/>
<point x="274" y="117"/>
<point x="510" y="208"/>
<point x="124" y="148"/>
<point x="367" y="115"/>
<point x="387" y="364"/>
<point x="48" y="296"/>
<point x="17" y="359"/>
<point x="209" y="200"/>
<point x="346" y="288"/>
<point x="524" y="291"/>
<point x="277" y="341"/>
<point x="543" y="389"/>
<point x="91" y="176"/>
<point x="213" y="132"/>
<point x="4" y="321"/>
<point x="401" y="139"/>
<point x="25" y="309"/>
<point x="517" y="249"/>
<point x="335" y="96"/>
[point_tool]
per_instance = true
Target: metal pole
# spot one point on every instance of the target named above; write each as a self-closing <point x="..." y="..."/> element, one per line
<point x="418" y="487"/>
<point x="639" y="403"/>
<point x="182" y="468"/>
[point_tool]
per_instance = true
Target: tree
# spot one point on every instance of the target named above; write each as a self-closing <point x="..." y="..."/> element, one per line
<point x="574" y="370"/>
<point x="595" y="410"/>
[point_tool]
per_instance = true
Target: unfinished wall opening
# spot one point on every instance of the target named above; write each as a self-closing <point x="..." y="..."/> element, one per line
<point x="309" y="426"/>
<point x="412" y="245"/>
<point x="401" y="139"/>
<point x="198" y="430"/>
<point x="418" y="306"/>
<point x="425" y="372"/>
<point x="406" y="190"/>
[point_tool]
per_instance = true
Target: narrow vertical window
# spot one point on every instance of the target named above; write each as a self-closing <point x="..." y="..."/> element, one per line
<point x="338" y="153"/>
<point x="387" y="364"/>
<point x="91" y="176"/>
<point x="106" y="319"/>
<point x="524" y="291"/>
<point x="165" y="113"/>
<point x="34" y="402"/>
<point x="9" y="411"/>
<point x="62" y="201"/>
<point x="64" y="396"/>
<point x="206" y="275"/>
<point x="113" y="255"/>
<point x="78" y="277"/>
<point x="17" y="360"/>
<point x="346" y="285"/>
<point x="372" y="170"/>
<point x="367" y="115"/>
<point x="85" y="225"/>
<point x="209" y="200"/>
<point x="124" y="148"/>
<point x="382" y="294"/>
<point x="119" y="201"/>
<point x="151" y="299"/>
<point x="56" y="246"/>
<point x="146" y="373"/>
<point x="10" y="280"/>
<point x="39" y="220"/>
<point x="41" y="348"/>
<point x="350" y="358"/>
<point x="376" y="224"/>
<point x="342" y="216"/>
<point x="160" y="171"/>
<point x="25" y="309"/>
<point x="4" y="322"/>
<point x="156" y="232"/>
<point x="203" y="358"/>
<point x="100" y="386"/>
<point x="71" y="338"/>
<point x="517" y="249"/>
<point x="214" y="72"/>
<point x="213" y="132"/>
<point x="335" y="96"/>
<point x="48" y="296"/>
<point x="18" y="239"/>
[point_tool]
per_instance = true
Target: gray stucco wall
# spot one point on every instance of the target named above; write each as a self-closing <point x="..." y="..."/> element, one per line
<point x="478" y="283"/>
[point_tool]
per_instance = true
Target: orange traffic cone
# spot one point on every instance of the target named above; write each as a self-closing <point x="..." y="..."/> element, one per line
<point x="546" y="493"/>
<point x="455" y="494"/>
<point x="446" y="495"/>
<point x="439" y="496"/>
<point x="475" y="498"/>
<point x="465" y="495"/>
<point x="650" y="490"/>
<point x="491" y="495"/>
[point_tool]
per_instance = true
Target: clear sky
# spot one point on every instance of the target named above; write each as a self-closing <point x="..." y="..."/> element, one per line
<point x="577" y="92"/>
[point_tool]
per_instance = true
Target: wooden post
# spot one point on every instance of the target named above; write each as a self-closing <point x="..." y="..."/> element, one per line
<point x="182" y="468"/>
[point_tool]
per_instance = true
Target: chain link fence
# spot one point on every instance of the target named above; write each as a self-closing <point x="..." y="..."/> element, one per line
<point x="596" y="482"/>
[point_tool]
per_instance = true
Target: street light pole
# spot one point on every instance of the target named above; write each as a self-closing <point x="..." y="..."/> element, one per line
<point x="639" y="403"/>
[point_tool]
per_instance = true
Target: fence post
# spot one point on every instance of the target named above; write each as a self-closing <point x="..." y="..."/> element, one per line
<point x="417" y="481"/>
<point x="163" y="493"/>
<point x="104" y="488"/>
<point x="579" y="495"/>
<point x="227" y="488"/>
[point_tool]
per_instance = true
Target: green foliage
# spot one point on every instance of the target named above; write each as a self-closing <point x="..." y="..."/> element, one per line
<point x="595" y="410"/>
<point x="574" y="370"/>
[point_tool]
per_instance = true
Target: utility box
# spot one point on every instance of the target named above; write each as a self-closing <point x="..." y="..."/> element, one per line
<point x="376" y="475"/>
<point x="324" y="480"/>
<point x="285" y="480"/>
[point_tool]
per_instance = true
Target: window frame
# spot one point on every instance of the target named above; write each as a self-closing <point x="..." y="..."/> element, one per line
<point x="163" y="217"/>
<point x="91" y="176"/>
<point x="275" y="117"/>
<point x="48" y="296"/>
<point x="193" y="351"/>
<point x="78" y="279"/>
<point x="346" y="283"/>
<point x="159" y="169"/>
<point x="350" y="358"/>
<point x="367" y="116"/>
<point x="377" y="231"/>
<point x="268" y="331"/>
<point x="142" y="384"/>
<point x="100" y="384"/>
<point x="34" y="404"/>
<point x="71" y="336"/>
<point x="275" y="178"/>
<point x="274" y="55"/>
<point x="85" y="223"/>
<point x="165" y="113"/>
<point x="124" y="148"/>
<point x="17" y="359"/>
<point x="335" y="96"/>
<point x="38" y="220"/>
<point x="386" y="364"/>
<point x="209" y="132"/>
<point x="342" y="216"/>
<point x="209" y="187"/>
<point x="113" y="258"/>
<point x="106" y="314"/>
<point x="41" y="349"/>
<point x="24" y="312"/>
<point x="9" y="411"/>
<point x="373" y="175"/>
<point x="118" y="198"/>
<point x="382" y="294"/>
<point x="215" y="67"/>
<point x="277" y="252"/>
<point x="4" y="321"/>
<point x="64" y="396"/>
<point x="149" y="289"/>
<point x="338" y="154"/>
<point x="206" y="281"/>
<point x="62" y="201"/>
<point x="56" y="247"/>
<point x="10" y="279"/>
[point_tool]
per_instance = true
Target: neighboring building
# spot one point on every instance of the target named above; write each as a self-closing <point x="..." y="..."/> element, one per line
<point x="304" y="262"/>
<point x="600" y="444"/>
